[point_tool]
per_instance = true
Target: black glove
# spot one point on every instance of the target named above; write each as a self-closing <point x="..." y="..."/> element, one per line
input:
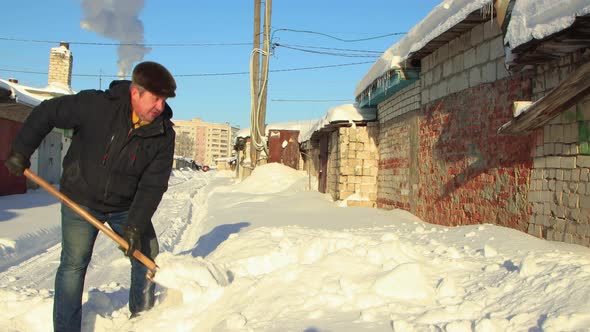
<point x="132" y="235"/>
<point x="17" y="163"/>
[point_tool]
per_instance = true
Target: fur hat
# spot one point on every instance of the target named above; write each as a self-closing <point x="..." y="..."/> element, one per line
<point x="155" y="78"/>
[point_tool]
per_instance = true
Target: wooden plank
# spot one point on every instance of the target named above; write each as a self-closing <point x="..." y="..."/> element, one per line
<point x="575" y="87"/>
<point x="15" y="112"/>
<point x="554" y="46"/>
<point x="501" y="6"/>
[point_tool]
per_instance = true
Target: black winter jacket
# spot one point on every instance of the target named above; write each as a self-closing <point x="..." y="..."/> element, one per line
<point x="109" y="166"/>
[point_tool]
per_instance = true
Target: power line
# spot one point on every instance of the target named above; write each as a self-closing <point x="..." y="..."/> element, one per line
<point x="213" y="74"/>
<point x="200" y="74"/>
<point x="333" y="48"/>
<point x="340" y="39"/>
<point x="46" y="73"/>
<point x="126" y="44"/>
<point x="45" y="41"/>
<point x="328" y="53"/>
<point x="24" y="71"/>
<point x="321" y="67"/>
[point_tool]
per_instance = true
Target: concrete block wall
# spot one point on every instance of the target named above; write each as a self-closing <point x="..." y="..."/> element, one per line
<point x="467" y="173"/>
<point x="404" y="101"/>
<point x="352" y="164"/>
<point x="333" y="179"/>
<point x="398" y="132"/>
<point x="474" y="58"/>
<point x="560" y="181"/>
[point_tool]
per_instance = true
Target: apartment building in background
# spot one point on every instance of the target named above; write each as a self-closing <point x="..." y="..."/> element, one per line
<point x="203" y="141"/>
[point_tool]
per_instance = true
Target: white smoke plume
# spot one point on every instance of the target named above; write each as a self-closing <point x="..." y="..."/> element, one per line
<point x="118" y="20"/>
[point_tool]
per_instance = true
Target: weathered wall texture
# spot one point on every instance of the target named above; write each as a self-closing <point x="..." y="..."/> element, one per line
<point x="352" y="164"/>
<point x="469" y="174"/>
<point x="445" y="161"/>
<point x="398" y="135"/>
<point x="442" y="159"/>
<point x="60" y="65"/>
<point x="310" y="158"/>
<point x="560" y="182"/>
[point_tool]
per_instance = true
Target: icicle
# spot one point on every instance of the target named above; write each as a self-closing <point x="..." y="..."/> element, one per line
<point x="486" y="10"/>
<point x="492" y="9"/>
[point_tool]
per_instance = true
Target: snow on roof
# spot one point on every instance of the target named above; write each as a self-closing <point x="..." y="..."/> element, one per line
<point x="443" y="17"/>
<point x="306" y="128"/>
<point x="341" y="113"/>
<point x="303" y="125"/>
<point x="34" y="96"/>
<point x="529" y="19"/>
<point x="540" y="18"/>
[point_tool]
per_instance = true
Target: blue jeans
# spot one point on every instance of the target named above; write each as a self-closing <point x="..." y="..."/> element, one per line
<point x="78" y="237"/>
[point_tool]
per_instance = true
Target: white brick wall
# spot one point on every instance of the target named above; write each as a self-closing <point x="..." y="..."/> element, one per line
<point x="405" y="100"/>
<point x="352" y="163"/>
<point x="560" y="181"/>
<point x="472" y="59"/>
<point x="60" y="68"/>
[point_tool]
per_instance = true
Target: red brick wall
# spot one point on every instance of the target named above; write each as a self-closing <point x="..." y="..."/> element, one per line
<point x="393" y="183"/>
<point x="397" y="149"/>
<point x="467" y="173"/>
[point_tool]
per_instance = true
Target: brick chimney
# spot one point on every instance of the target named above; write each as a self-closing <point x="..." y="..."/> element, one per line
<point x="60" y="65"/>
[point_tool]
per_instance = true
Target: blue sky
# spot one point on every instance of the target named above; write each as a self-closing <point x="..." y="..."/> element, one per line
<point x="219" y="98"/>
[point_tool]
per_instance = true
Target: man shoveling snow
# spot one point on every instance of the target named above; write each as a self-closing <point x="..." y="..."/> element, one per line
<point x="117" y="169"/>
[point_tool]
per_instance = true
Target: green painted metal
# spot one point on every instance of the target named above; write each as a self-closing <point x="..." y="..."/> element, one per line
<point x="584" y="131"/>
<point x="396" y="82"/>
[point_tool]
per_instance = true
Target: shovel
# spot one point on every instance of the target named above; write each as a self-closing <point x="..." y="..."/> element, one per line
<point x="152" y="267"/>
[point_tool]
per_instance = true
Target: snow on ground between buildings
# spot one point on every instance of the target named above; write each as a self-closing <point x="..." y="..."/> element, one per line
<point x="248" y="256"/>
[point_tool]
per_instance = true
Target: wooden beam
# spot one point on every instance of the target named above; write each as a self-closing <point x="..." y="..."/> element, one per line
<point x="501" y="7"/>
<point x="575" y="87"/>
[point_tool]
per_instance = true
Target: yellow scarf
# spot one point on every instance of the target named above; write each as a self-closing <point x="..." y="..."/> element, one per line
<point x="136" y="122"/>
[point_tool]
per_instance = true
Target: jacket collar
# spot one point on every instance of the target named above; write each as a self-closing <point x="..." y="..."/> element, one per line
<point x="119" y="90"/>
<point x="159" y="126"/>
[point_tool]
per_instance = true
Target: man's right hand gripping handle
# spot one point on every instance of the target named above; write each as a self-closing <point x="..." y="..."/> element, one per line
<point x="17" y="163"/>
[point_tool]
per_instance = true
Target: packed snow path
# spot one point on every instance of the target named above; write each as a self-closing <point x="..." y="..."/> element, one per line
<point x="267" y="254"/>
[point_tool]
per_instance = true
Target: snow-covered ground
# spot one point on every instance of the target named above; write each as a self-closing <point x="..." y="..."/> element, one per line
<point x="268" y="254"/>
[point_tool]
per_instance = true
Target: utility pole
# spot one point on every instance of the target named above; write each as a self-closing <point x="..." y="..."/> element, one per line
<point x="259" y="82"/>
<point x="254" y="84"/>
<point x="265" y="65"/>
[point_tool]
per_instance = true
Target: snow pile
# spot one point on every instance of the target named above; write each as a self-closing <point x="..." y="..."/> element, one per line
<point x="296" y="261"/>
<point x="275" y="178"/>
<point x="22" y="238"/>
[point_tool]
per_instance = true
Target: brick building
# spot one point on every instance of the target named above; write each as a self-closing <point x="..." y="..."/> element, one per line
<point x="441" y="153"/>
<point x="17" y="101"/>
<point x="341" y="151"/>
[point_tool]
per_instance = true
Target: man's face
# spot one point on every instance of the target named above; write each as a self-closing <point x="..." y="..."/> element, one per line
<point x="146" y="105"/>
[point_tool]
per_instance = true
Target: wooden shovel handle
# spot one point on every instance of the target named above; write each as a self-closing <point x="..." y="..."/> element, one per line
<point x="84" y="214"/>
